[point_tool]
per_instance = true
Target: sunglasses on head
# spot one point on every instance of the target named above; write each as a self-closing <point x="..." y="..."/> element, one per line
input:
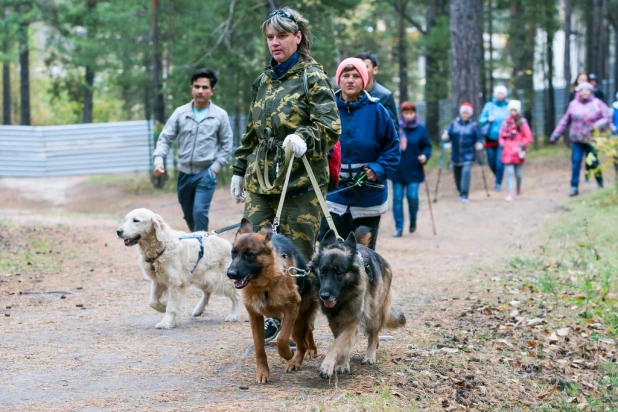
<point x="282" y="13"/>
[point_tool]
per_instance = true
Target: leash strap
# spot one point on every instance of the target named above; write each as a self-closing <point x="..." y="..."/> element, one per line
<point x="318" y="194"/>
<point x="289" y="150"/>
<point x="264" y="147"/>
<point x="225" y="229"/>
<point x="367" y="266"/>
<point x="201" y="253"/>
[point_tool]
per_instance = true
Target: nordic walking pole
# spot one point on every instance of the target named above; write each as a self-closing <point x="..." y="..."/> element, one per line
<point x="433" y="223"/>
<point x="482" y="163"/>
<point x="435" y="195"/>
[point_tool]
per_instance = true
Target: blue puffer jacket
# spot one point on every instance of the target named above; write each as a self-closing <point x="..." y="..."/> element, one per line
<point x="463" y="135"/>
<point x="500" y="111"/>
<point x="410" y="169"/>
<point x="368" y="138"/>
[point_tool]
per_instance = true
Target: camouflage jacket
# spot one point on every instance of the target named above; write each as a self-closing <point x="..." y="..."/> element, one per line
<point x="282" y="105"/>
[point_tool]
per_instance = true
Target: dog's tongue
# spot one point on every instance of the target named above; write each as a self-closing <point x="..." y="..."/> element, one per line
<point x="241" y="283"/>
<point x="329" y="303"/>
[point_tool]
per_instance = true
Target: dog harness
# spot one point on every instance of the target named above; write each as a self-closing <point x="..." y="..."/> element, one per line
<point x="152" y="260"/>
<point x="201" y="253"/>
<point x="367" y="266"/>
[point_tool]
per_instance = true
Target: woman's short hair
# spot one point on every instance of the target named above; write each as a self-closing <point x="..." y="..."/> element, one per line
<point x="408" y="106"/>
<point x="282" y="24"/>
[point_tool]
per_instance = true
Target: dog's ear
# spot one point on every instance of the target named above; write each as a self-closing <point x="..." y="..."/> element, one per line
<point x="350" y="242"/>
<point x="158" y="226"/>
<point x="328" y="240"/>
<point x="268" y="231"/>
<point x="245" y="227"/>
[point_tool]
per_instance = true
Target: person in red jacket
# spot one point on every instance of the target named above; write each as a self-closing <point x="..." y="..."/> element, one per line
<point x="515" y="136"/>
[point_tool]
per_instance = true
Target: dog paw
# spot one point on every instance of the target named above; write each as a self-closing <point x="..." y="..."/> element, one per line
<point x="327" y="369"/>
<point x="262" y="376"/>
<point x="368" y="361"/>
<point x="231" y="318"/>
<point x="165" y="325"/>
<point x="343" y="369"/>
<point x="197" y="313"/>
<point x="311" y="353"/>
<point x="293" y="365"/>
<point x="159" y="307"/>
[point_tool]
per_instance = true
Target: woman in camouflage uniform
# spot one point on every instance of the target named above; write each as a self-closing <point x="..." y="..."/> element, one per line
<point x="292" y="103"/>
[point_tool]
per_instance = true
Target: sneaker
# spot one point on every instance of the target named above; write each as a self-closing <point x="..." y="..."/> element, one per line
<point x="412" y="227"/>
<point x="573" y="192"/>
<point x="463" y="198"/>
<point x="272" y="327"/>
<point x="398" y="233"/>
<point x="509" y="198"/>
<point x="498" y="187"/>
<point x="518" y="192"/>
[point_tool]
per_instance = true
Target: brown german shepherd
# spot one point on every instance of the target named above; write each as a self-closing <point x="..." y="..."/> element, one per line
<point x="355" y="294"/>
<point x="260" y="268"/>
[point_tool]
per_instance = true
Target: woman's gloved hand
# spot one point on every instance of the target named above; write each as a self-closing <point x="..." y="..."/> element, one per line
<point x="237" y="188"/>
<point x="298" y="144"/>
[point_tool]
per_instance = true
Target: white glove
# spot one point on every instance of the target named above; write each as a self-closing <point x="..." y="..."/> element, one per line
<point x="237" y="188"/>
<point x="478" y="146"/>
<point x="298" y="144"/>
<point x="445" y="136"/>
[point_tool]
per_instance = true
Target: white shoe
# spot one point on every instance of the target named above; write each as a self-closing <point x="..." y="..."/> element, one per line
<point x="509" y="198"/>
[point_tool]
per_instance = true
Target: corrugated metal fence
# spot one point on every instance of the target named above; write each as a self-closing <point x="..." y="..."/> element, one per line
<point x="79" y="149"/>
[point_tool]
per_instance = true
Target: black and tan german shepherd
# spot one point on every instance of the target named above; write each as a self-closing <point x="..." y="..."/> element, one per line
<point x="355" y="285"/>
<point x="260" y="267"/>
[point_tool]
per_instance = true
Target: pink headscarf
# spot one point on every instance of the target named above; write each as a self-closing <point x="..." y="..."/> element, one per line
<point x="358" y="64"/>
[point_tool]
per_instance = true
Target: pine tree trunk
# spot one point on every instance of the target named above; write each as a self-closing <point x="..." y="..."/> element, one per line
<point x="594" y="64"/>
<point x="550" y="114"/>
<point x="88" y="88"/>
<point x="401" y="51"/>
<point x="490" y="32"/>
<point x="24" y="74"/>
<point x="521" y="48"/>
<point x="481" y="56"/>
<point x="465" y="46"/>
<point x="435" y="68"/>
<point x="568" y="11"/>
<point x="157" y="66"/>
<point x="6" y="82"/>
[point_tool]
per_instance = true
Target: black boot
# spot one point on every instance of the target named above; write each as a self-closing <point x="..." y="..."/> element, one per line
<point x="412" y="227"/>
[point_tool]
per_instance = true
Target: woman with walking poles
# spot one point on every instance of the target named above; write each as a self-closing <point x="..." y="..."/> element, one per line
<point x="515" y="136"/>
<point x="292" y="104"/>
<point x="415" y="152"/>
<point x="586" y="115"/>
<point x="369" y="154"/>
<point x="466" y="140"/>
<point x="493" y="115"/>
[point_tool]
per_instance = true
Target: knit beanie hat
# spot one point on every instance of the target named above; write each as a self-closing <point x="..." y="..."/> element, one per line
<point x="500" y="89"/>
<point x="466" y="108"/>
<point x="584" y="85"/>
<point x="408" y="106"/>
<point x="515" y="105"/>
<point x="358" y="64"/>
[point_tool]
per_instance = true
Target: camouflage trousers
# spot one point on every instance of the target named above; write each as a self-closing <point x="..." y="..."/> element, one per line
<point x="300" y="217"/>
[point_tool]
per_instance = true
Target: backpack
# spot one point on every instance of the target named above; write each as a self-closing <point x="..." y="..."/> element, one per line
<point x="334" y="155"/>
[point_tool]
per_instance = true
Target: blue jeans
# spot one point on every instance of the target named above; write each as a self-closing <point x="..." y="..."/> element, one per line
<point x="195" y="193"/>
<point x="411" y="190"/>
<point x="462" y="173"/>
<point x="494" y="158"/>
<point x="579" y="153"/>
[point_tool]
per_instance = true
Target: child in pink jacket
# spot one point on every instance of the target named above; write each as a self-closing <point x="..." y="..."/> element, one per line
<point x="515" y="136"/>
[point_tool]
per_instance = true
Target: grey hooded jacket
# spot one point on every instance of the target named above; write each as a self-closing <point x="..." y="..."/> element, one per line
<point x="200" y="145"/>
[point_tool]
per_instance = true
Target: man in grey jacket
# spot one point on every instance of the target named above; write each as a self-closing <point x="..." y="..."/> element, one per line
<point x="204" y="145"/>
<point x="375" y="89"/>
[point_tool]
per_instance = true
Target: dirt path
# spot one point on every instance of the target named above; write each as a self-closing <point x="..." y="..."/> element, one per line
<point x="97" y="348"/>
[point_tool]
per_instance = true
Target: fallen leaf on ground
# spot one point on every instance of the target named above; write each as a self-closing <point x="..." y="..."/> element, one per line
<point x="535" y="321"/>
<point x="337" y="396"/>
<point x="450" y="350"/>
<point x="563" y="332"/>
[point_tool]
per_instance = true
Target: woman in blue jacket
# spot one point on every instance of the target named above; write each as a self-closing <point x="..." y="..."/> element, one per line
<point x="466" y="140"/>
<point x="415" y="151"/>
<point x="495" y="113"/>
<point x="369" y="146"/>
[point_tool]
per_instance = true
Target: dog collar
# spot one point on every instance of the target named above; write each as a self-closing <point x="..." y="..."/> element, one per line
<point x="152" y="260"/>
<point x="367" y="266"/>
